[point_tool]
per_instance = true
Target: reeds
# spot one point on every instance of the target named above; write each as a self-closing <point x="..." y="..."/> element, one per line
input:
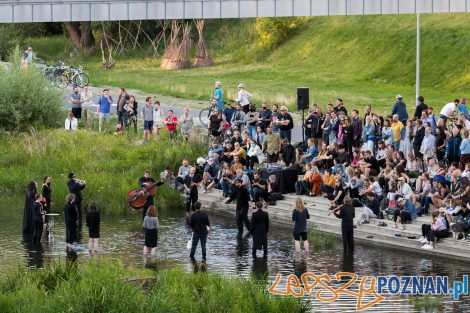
<point x="104" y="287"/>
<point x="111" y="165"/>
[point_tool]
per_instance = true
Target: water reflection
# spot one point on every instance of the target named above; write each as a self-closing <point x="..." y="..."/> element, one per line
<point x="122" y="238"/>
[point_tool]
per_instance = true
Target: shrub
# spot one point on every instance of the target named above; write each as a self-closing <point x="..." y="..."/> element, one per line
<point x="26" y="99"/>
<point x="274" y="31"/>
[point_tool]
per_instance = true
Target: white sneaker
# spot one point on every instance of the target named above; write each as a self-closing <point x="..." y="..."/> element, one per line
<point x="420" y="239"/>
<point x="427" y="247"/>
<point x="424" y="240"/>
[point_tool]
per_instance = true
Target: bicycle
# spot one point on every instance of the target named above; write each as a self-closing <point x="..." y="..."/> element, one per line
<point x="206" y="112"/>
<point x="72" y="76"/>
<point x="210" y="138"/>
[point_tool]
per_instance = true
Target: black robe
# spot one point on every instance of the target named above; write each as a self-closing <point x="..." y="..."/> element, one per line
<point x="28" y="218"/>
<point x="259" y="227"/>
<point x="70" y="213"/>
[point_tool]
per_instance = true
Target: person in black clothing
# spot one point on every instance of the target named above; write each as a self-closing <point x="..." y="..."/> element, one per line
<point x="70" y="213"/>
<point x="287" y="152"/>
<point x="93" y="224"/>
<point x="440" y="143"/>
<point x="38" y="218"/>
<point x="371" y="165"/>
<point x="265" y="116"/>
<point x="75" y="187"/>
<point x="191" y="183"/>
<point x="340" y="107"/>
<point x="259" y="188"/>
<point x="338" y="194"/>
<point x="200" y="226"/>
<point x="285" y="123"/>
<point x="300" y="216"/>
<point x="347" y="214"/>
<point x="259" y="230"/>
<point x="420" y="107"/>
<point x="418" y="139"/>
<point x="47" y="192"/>
<point x="28" y="221"/>
<point x="243" y="198"/>
<point x="142" y="181"/>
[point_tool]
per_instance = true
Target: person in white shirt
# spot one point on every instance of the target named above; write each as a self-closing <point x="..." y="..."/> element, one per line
<point x="243" y="98"/>
<point x="427" y="146"/>
<point x="404" y="189"/>
<point x="86" y="95"/>
<point x="447" y="110"/>
<point x="71" y="123"/>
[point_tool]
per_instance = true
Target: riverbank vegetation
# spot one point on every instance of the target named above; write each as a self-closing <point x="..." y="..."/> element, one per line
<point x="111" y="165"/>
<point x="364" y="59"/>
<point x="105" y="287"/>
<point x="26" y="99"/>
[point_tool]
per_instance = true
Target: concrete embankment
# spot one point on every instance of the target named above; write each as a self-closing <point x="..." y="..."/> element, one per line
<point x="404" y="241"/>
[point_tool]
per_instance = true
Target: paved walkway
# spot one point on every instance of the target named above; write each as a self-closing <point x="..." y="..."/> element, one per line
<point x="169" y="102"/>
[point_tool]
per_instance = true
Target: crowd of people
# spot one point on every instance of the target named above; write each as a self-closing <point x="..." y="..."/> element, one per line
<point x="393" y="165"/>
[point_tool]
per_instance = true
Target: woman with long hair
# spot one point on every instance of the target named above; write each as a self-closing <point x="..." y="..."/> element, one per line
<point x="151" y="226"/>
<point x="299" y="218"/>
<point x="28" y="221"/>
<point x="47" y="193"/>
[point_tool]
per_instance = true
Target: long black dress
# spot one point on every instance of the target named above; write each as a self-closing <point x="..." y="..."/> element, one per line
<point x="259" y="230"/>
<point x="38" y="221"/>
<point x="93" y="224"/>
<point x="28" y="220"/>
<point x="70" y="212"/>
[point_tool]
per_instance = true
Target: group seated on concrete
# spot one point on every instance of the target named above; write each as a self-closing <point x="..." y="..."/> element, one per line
<point x="391" y="166"/>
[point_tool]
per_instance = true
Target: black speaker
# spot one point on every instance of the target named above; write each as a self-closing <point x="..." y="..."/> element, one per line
<point x="302" y="98"/>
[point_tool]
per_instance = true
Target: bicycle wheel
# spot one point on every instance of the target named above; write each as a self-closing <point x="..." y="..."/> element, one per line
<point x="204" y="116"/>
<point x="61" y="81"/>
<point x="80" y="80"/>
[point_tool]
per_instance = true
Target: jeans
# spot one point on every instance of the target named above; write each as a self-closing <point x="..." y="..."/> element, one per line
<point x="123" y="117"/>
<point x="257" y="193"/>
<point x="225" y="188"/>
<point x="286" y="134"/>
<point x="196" y="238"/>
<point x="425" y="201"/>
<point x="365" y="214"/>
<point x="252" y="131"/>
<point x="396" y="145"/>
<point x="327" y="189"/>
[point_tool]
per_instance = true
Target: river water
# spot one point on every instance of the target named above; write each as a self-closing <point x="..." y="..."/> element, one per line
<point x="122" y="238"/>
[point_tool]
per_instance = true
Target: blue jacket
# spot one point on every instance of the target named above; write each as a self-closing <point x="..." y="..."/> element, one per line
<point x="410" y="208"/>
<point x="463" y="109"/>
<point x="400" y="108"/>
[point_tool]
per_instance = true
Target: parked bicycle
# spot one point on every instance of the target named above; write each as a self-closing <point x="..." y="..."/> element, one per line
<point x="73" y="75"/>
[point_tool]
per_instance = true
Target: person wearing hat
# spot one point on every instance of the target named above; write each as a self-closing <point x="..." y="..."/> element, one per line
<point x="400" y="108"/>
<point x="243" y="98"/>
<point x="75" y="187"/>
<point x="286" y="123"/>
<point x="347" y="213"/>
<point x="406" y="212"/>
<point x="218" y="94"/>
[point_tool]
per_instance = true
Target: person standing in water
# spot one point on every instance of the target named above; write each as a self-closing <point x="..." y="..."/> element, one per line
<point x="93" y="224"/>
<point x="300" y="216"/>
<point x="151" y="226"/>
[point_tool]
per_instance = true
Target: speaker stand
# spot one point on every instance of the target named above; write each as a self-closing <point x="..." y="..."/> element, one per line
<point x="303" y="127"/>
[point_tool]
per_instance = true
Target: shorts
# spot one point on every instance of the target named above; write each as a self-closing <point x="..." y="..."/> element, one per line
<point x="298" y="235"/>
<point x="77" y="112"/>
<point x="104" y="116"/>
<point x="148" y="125"/>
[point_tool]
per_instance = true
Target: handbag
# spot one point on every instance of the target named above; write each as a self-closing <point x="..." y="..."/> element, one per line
<point x="189" y="245"/>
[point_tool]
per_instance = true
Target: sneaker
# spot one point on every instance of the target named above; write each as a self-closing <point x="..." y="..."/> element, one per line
<point x="427" y="247"/>
<point x="423" y="240"/>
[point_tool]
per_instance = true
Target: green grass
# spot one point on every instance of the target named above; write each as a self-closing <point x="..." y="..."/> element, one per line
<point x="364" y="59"/>
<point x="427" y="303"/>
<point x="110" y="164"/>
<point x="104" y="287"/>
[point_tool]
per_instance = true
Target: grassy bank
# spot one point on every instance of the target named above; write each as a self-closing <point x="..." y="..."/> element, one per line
<point x="364" y="59"/>
<point x="111" y="165"/>
<point x="104" y="287"/>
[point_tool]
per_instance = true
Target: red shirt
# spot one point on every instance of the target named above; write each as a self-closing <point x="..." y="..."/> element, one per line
<point x="171" y="126"/>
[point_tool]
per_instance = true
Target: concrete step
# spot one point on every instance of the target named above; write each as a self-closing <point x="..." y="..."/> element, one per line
<point x="282" y="212"/>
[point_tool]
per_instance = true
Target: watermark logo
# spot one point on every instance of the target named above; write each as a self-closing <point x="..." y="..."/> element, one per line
<point x="375" y="286"/>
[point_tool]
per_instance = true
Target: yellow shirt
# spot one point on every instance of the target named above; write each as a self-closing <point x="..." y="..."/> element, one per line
<point x="397" y="127"/>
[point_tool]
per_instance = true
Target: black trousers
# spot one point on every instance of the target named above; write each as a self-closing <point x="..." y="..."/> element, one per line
<point x="242" y="218"/>
<point x="79" y="211"/>
<point x="146" y="206"/>
<point x="272" y="158"/>
<point x="196" y="238"/>
<point x="37" y="231"/>
<point x="404" y="216"/>
<point x="348" y="239"/>
<point x="191" y="202"/>
<point x="70" y="234"/>
<point x="264" y="244"/>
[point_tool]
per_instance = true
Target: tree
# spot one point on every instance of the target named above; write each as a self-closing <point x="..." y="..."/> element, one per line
<point x="81" y="34"/>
